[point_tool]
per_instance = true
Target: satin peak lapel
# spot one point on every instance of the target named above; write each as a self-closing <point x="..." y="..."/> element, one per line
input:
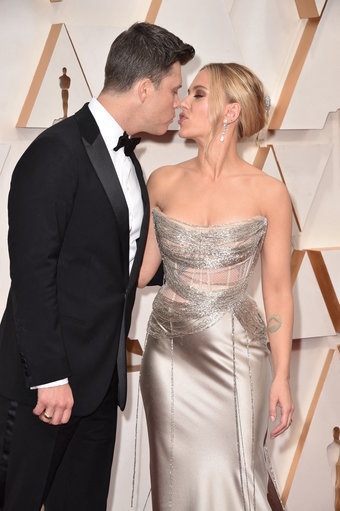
<point x="104" y="168"/>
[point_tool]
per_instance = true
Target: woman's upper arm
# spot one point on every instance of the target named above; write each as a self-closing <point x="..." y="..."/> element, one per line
<point x="276" y="253"/>
<point x="152" y="257"/>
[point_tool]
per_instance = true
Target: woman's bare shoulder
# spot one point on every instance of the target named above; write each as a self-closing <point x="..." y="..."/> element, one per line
<point x="274" y="186"/>
<point x="274" y="198"/>
<point x="267" y="183"/>
<point x="167" y="172"/>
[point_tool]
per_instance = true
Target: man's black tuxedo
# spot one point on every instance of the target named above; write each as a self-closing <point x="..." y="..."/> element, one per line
<point x="70" y="301"/>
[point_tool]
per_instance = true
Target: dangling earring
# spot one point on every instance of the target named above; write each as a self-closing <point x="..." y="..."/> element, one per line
<point x="225" y="124"/>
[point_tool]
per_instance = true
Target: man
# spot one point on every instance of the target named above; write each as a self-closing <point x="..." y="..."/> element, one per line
<point x="78" y="217"/>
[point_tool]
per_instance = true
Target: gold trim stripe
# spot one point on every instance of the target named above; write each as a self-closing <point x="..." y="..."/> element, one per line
<point x="293" y="74"/>
<point x="153" y="11"/>
<point x="295" y="264"/>
<point x="307" y="8"/>
<point x="326" y="287"/>
<point x="306" y="426"/>
<point x="39" y="75"/>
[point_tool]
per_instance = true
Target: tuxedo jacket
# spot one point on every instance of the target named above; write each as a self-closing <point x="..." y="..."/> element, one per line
<point x="69" y="306"/>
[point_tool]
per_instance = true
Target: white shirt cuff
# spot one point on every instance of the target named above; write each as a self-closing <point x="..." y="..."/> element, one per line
<point x="51" y="384"/>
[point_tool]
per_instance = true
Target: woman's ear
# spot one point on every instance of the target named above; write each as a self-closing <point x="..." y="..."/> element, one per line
<point x="232" y="112"/>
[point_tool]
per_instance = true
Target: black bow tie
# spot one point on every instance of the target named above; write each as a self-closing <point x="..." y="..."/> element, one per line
<point x="128" y="143"/>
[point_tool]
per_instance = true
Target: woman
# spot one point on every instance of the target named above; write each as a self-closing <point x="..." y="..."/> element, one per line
<point x="206" y="372"/>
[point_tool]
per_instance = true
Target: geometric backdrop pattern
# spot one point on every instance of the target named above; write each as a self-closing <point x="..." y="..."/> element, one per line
<point x="294" y="47"/>
<point x="301" y="181"/>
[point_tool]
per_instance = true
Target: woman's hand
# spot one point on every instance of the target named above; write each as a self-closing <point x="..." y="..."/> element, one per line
<point x="280" y="398"/>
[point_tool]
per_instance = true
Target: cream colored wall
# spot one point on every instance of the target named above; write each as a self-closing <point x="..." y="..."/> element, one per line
<point x="299" y="63"/>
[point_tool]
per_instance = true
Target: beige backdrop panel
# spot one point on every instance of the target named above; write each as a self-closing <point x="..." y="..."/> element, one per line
<point x="303" y="150"/>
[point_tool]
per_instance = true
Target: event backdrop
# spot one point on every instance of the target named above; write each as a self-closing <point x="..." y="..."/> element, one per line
<point x="293" y="45"/>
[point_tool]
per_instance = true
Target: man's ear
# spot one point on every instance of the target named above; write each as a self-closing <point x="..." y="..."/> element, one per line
<point x="144" y="89"/>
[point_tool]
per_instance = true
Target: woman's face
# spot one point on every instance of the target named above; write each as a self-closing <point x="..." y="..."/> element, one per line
<point x="194" y="119"/>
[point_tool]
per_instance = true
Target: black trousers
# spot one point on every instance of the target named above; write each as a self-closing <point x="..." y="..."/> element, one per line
<point x="66" y="468"/>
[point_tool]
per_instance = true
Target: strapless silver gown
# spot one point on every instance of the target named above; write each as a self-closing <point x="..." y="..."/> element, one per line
<point x="205" y="372"/>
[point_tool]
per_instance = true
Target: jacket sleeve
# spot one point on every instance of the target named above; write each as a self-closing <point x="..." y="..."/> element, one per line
<point x="158" y="278"/>
<point x="39" y="207"/>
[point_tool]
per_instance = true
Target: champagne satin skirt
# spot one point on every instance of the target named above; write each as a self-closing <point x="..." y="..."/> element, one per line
<point x="206" y="402"/>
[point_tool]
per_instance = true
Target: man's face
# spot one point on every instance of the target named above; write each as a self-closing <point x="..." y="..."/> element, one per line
<point x="162" y="102"/>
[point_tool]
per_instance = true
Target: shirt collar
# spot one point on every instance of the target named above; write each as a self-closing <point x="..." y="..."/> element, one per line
<point x="108" y="126"/>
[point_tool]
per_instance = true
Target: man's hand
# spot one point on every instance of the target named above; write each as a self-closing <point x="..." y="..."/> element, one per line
<point x="54" y="404"/>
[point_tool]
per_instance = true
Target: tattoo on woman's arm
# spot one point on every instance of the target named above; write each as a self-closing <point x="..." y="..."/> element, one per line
<point x="274" y="323"/>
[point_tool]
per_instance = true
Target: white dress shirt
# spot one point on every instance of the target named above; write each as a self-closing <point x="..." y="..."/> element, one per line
<point x="111" y="131"/>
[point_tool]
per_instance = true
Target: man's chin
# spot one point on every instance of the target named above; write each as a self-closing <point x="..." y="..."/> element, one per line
<point x="162" y="130"/>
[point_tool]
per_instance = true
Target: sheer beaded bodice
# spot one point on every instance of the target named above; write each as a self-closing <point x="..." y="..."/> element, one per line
<point x="207" y="271"/>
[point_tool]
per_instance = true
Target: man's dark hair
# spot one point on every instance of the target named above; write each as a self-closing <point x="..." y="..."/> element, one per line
<point x="143" y="51"/>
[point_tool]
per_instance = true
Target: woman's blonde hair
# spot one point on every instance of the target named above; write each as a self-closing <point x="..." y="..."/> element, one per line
<point x="235" y="83"/>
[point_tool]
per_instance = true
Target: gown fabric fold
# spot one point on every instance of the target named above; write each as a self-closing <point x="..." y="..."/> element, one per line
<point x="206" y="373"/>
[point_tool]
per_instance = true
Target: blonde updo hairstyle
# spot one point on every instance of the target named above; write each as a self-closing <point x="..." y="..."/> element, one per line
<point x="235" y="83"/>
